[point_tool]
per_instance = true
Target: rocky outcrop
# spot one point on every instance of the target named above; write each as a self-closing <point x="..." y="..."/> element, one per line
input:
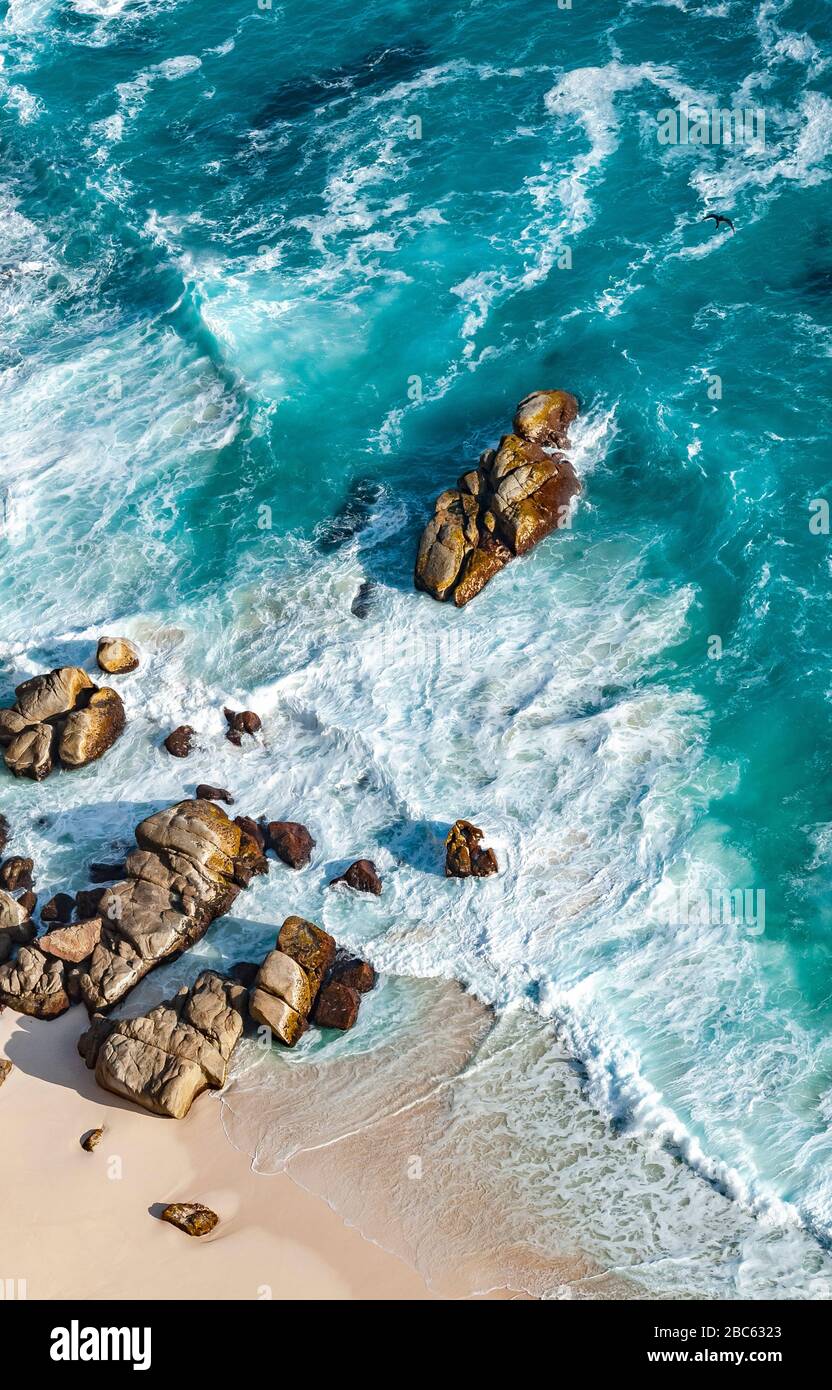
<point x="190" y="864"/>
<point x="291" y="842"/>
<point x="503" y="508"/>
<point x="362" y="876"/>
<point x="307" y="977"/>
<point x="117" y="655"/>
<point x="59" y="717"/>
<point x="167" y="1057"/>
<point x="463" y="856"/>
<point x="34" y="984"/>
<point x="178" y="743"/>
<point x="191" y="1217"/>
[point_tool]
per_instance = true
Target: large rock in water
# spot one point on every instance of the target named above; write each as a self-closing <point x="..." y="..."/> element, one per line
<point x="464" y="857"/>
<point x="167" y="1057"/>
<point x="517" y="495"/>
<point x="60" y="716"/>
<point x="191" y="863"/>
<point x="89" y="732"/>
<point x="116" y="655"/>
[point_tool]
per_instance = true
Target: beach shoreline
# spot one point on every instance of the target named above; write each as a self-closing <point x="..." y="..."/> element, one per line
<point x="85" y="1225"/>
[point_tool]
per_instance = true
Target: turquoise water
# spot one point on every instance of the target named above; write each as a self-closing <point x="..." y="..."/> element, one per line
<point x="225" y="260"/>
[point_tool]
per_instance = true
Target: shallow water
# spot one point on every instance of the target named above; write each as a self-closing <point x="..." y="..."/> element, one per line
<point x="224" y="263"/>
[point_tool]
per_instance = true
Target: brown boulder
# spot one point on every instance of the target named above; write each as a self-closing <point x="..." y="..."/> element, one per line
<point x="89" y="732"/>
<point x="11" y="724"/>
<point x="91" y="1140"/>
<point x="191" y="1217"/>
<point x="33" y="984"/>
<point x="243" y="721"/>
<point x="5" y="1068"/>
<point x="30" y="754"/>
<point x="59" y="908"/>
<point x="463" y="856"/>
<point x="178" y="743"/>
<point x="16" y="873"/>
<point x="352" y="971"/>
<point x="59" y="691"/>
<point x="362" y="876"/>
<point x="336" y="1006"/>
<point x="74" y="943"/>
<point x="291" y="842"/>
<point x="28" y="901"/>
<point x="15" y="920"/>
<point x="285" y="1022"/>
<point x="252" y="829"/>
<point x="116" y="655"/>
<point x="281" y="976"/>
<point x="545" y="416"/>
<point x="311" y="947"/>
<point x="205" y="792"/>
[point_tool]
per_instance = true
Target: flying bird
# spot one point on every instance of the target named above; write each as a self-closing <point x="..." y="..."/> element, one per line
<point x="718" y="217"/>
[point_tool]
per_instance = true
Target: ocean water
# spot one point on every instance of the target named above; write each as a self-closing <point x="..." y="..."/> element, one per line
<point x="271" y="277"/>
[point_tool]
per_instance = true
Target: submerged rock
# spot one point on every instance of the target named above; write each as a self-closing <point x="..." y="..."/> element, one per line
<point x="463" y="856"/>
<point x="191" y="1217"/>
<point x="503" y="508"/>
<point x="291" y="842"/>
<point x="362" y="876"/>
<point x="117" y="655"/>
<point x="164" y="1059"/>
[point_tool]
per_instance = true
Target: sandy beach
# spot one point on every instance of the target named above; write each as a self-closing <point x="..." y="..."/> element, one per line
<point x="84" y="1225"/>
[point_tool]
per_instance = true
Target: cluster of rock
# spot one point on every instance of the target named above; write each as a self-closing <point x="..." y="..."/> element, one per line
<point x="167" y="1057"/>
<point x="307" y="977"/>
<point x="464" y="856"/>
<point x="517" y="495"/>
<point x="61" y="717"/>
<point x="190" y="864"/>
<point x="16" y="925"/>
